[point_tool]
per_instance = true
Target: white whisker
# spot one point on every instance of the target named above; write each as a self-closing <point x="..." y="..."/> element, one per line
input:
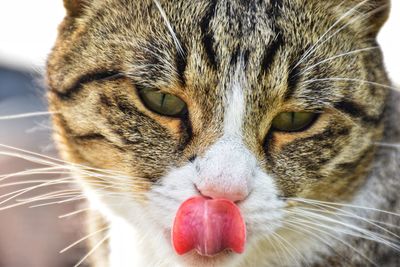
<point x="92" y="250"/>
<point x="349" y="80"/>
<point x="73" y="213"/>
<point x="318" y="43"/>
<point x="336" y="57"/>
<point x="83" y="239"/>
<point x="26" y="115"/>
<point x="170" y="29"/>
<point x="303" y="200"/>
<point x="302" y="224"/>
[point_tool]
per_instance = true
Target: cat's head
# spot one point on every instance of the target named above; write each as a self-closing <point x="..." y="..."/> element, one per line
<point x="259" y="102"/>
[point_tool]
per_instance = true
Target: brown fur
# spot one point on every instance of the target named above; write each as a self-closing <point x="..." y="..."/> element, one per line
<point x="102" y="122"/>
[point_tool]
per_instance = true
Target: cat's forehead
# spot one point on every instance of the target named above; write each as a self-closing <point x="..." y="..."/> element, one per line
<point x="160" y="41"/>
<point x="198" y="45"/>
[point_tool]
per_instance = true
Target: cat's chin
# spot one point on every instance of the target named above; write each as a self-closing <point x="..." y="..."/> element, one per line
<point x="194" y="259"/>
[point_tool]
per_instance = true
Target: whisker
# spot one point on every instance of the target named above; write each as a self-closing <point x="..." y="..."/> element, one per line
<point x="46" y="160"/>
<point x="168" y="24"/>
<point x="342" y="205"/>
<point x="26" y="190"/>
<point x="359" y="232"/>
<point x="391" y="145"/>
<point x="83" y="239"/>
<point x="336" y="57"/>
<point x="313" y="230"/>
<point x="72" y="199"/>
<point x="271" y="242"/>
<point x="74" y="213"/>
<point x="291" y="246"/>
<point x="282" y="246"/>
<point x="27" y="182"/>
<point x="349" y="80"/>
<point x="26" y="115"/>
<point x="355" y="216"/>
<point x="92" y="250"/>
<point x="301" y="224"/>
<point x="317" y="44"/>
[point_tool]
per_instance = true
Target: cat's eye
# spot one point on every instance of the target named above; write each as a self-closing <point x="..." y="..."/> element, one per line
<point x="293" y="121"/>
<point x="163" y="104"/>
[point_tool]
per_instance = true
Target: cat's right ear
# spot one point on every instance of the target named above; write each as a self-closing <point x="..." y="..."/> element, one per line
<point x="74" y="7"/>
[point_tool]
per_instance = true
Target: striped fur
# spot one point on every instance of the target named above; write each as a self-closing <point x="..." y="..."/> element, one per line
<point x="276" y="56"/>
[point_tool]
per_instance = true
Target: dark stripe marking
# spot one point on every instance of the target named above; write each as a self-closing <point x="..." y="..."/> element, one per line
<point x="90" y="137"/>
<point x="356" y="111"/>
<point x="181" y="63"/>
<point x="293" y="80"/>
<point x="270" y="53"/>
<point x="186" y="129"/>
<point x="208" y="38"/>
<point x="88" y="78"/>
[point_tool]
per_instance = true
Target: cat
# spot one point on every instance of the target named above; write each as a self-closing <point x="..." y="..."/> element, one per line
<point x="273" y="120"/>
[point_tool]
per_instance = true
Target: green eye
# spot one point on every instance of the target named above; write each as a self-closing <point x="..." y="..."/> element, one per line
<point x="163" y="104"/>
<point x="293" y="121"/>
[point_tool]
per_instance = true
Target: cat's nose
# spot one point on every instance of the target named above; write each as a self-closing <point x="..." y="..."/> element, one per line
<point x="215" y="192"/>
<point x="226" y="170"/>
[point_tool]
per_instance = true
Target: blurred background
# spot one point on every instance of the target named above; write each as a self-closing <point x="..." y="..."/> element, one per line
<point x="33" y="236"/>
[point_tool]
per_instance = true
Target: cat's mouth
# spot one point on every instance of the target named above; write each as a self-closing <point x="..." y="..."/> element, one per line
<point x="210" y="227"/>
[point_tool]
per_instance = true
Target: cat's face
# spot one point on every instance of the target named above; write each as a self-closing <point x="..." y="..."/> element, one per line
<point x="254" y="101"/>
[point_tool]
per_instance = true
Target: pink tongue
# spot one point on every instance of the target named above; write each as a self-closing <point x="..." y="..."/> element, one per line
<point x="209" y="226"/>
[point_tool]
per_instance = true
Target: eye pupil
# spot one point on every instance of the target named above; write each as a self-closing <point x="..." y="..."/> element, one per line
<point x="163" y="104"/>
<point x="293" y="121"/>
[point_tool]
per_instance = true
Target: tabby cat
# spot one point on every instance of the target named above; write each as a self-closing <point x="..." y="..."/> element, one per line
<point x="230" y="132"/>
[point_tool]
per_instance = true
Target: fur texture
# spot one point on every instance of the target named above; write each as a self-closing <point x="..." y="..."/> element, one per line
<point x="237" y="65"/>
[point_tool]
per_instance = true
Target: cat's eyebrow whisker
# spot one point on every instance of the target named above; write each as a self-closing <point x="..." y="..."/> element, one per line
<point x="350" y="80"/>
<point x="317" y="44"/>
<point x="170" y="29"/>
<point x="92" y="250"/>
<point x="336" y="57"/>
<point x="356" y="19"/>
<point x="26" y="115"/>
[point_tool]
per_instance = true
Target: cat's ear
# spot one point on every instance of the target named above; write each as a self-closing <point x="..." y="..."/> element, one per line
<point x="74" y="7"/>
<point x="376" y="13"/>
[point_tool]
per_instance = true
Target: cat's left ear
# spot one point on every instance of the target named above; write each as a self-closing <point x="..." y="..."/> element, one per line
<point x="376" y="13"/>
<point x="74" y="7"/>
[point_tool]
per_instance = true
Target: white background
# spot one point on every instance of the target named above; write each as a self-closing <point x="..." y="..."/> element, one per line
<point x="28" y="30"/>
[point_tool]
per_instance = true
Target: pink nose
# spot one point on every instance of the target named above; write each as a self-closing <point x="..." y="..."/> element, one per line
<point x="217" y="192"/>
